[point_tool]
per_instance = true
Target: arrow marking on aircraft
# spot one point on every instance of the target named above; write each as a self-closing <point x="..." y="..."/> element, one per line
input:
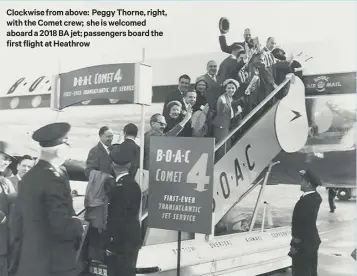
<point x="297" y="115"/>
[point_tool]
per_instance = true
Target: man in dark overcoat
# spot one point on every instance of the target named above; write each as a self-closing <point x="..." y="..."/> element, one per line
<point x="123" y="233"/>
<point x="50" y="234"/>
<point x="130" y="134"/>
<point x="230" y="66"/>
<point x="305" y="236"/>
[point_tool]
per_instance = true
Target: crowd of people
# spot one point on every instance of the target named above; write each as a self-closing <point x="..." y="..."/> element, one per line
<point x="226" y="93"/>
<point x="39" y="233"/>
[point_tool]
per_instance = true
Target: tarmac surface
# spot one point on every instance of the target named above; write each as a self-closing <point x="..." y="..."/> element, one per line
<point x="337" y="230"/>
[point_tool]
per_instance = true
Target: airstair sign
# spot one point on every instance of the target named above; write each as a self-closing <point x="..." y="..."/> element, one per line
<point x="181" y="184"/>
<point x="128" y="82"/>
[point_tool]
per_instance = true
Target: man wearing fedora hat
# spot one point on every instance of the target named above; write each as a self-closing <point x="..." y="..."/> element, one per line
<point x="7" y="195"/>
<point x="123" y="232"/>
<point x="50" y="234"/>
<point x="305" y="237"/>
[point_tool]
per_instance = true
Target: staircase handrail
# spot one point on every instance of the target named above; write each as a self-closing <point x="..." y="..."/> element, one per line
<point x="289" y="77"/>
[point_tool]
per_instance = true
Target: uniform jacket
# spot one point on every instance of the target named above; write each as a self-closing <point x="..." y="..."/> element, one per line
<point x="49" y="234"/>
<point x="98" y="159"/>
<point x="123" y="232"/>
<point x="173" y="132"/>
<point x="304" y="221"/>
<point x="96" y="200"/>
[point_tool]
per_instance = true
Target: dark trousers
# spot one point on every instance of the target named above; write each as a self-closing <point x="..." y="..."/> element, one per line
<point x="331" y="199"/>
<point x="122" y="264"/>
<point x="305" y="263"/>
<point x="95" y="249"/>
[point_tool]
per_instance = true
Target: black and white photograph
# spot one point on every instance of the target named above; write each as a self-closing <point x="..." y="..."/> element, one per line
<point x="178" y="138"/>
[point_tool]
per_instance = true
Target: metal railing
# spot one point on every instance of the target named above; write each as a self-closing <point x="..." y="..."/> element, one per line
<point x="289" y="77"/>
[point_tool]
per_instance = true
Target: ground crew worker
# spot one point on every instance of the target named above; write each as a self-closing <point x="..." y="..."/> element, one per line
<point x="50" y="234"/>
<point x="331" y="199"/>
<point x="305" y="237"/>
<point x="123" y="233"/>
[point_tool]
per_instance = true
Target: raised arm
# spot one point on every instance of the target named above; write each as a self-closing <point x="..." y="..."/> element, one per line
<point x="223" y="44"/>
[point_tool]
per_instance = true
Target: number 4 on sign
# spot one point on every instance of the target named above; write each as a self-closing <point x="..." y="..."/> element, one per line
<point x="118" y="76"/>
<point x="197" y="175"/>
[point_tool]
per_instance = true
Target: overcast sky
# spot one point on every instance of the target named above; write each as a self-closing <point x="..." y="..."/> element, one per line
<point x="190" y="27"/>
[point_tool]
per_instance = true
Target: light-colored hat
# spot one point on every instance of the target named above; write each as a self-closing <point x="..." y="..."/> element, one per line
<point x="227" y="81"/>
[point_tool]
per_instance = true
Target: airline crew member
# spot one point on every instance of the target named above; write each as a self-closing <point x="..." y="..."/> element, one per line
<point x="305" y="237"/>
<point x="123" y="233"/>
<point x="50" y="234"/>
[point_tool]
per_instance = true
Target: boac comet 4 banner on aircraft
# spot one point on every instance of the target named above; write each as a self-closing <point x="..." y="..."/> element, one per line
<point x="127" y="82"/>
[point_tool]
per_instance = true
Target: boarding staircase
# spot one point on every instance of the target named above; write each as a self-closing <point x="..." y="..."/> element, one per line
<point x="278" y="123"/>
<point x="263" y="134"/>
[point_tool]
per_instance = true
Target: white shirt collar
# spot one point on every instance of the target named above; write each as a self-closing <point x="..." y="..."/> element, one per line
<point x="105" y="147"/>
<point x="233" y="56"/>
<point x="308" y="193"/>
<point x="186" y="104"/>
<point x="129" y="138"/>
<point x="18" y="177"/>
<point x="180" y="91"/>
<point x="121" y="175"/>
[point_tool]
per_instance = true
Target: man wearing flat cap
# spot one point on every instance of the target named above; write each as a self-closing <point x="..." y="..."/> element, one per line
<point x="50" y="234"/>
<point x="123" y="233"/>
<point x="305" y="237"/>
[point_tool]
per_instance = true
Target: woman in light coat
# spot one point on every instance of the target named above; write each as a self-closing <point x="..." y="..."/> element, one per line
<point x="225" y="113"/>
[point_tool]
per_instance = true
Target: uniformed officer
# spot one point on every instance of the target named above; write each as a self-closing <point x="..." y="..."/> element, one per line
<point x="123" y="234"/>
<point x="50" y="234"/>
<point x="305" y="237"/>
